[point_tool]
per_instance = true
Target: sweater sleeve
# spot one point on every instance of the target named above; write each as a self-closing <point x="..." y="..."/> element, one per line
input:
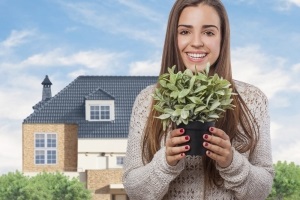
<point x="149" y="181"/>
<point x="252" y="178"/>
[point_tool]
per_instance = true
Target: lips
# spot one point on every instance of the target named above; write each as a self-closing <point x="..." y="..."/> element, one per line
<point x="196" y="56"/>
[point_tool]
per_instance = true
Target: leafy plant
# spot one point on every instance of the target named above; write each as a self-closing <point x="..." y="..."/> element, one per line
<point x="186" y="96"/>
<point x="286" y="183"/>
<point x="43" y="186"/>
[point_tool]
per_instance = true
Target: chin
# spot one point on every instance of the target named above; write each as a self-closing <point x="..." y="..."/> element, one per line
<point x="199" y="68"/>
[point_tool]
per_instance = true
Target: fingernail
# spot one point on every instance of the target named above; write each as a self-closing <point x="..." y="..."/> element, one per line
<point x="181" y="130"/>
<point x="187" y="137"/>
<point x="208" y="152"/>
<point x="206" y="144"/>
<point x="206" y="136"/>
<point x="182" y="154"/>
<point x="186" y="147"/>
<point x="211" y="129"/>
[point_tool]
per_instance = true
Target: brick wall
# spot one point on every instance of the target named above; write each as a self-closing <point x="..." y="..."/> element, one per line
<point x="98" y="182"/>
<point x="67" y="142"/>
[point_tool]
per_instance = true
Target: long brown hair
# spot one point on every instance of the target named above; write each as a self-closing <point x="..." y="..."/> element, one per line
<point x="238" y="124"/>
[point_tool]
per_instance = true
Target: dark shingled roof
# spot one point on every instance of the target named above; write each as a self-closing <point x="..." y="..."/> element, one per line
<point x="68" y="106"/>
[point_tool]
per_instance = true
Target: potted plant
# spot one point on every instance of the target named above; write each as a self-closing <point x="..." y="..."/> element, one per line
<point x="193" y="101"/>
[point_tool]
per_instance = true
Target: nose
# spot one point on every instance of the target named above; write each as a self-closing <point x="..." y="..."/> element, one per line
<point x="197" y="41"/>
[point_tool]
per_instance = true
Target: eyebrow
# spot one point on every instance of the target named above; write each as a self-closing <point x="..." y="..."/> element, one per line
<point x="204" y="26"/>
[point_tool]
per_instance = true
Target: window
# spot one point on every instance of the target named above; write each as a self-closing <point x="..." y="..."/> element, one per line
<point x="97" y="110"/>
<point x="120" y="160"/>
<point x="45" y="148"/>
<point x="100" y="113"/>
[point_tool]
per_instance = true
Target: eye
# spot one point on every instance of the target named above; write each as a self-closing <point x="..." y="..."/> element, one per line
<point x="209" y="33"/>
<point x="183" y="32"/>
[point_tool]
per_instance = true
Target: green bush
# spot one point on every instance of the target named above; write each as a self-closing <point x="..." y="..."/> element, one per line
<point x="286" y="183"/>
<point x="44" y="186"/>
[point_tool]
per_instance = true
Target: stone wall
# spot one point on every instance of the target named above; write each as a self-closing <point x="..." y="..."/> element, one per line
<point x="67" y="145"/>
<point x="98" y="181"/>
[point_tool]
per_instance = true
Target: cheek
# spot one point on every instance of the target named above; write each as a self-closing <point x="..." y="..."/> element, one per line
<point x="215" y="47"/>
<point x="182" y="42"/>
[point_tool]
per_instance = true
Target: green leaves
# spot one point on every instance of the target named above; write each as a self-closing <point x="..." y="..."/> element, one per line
<point x="286" y="183"/>
<point x="187" y="96"/>
<point x="44" y="186"/>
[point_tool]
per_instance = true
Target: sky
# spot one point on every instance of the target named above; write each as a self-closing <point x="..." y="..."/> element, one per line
<point x="67" y="38"/>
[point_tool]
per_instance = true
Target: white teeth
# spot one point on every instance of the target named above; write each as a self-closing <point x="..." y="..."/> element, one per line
<point x="196" y="55"/>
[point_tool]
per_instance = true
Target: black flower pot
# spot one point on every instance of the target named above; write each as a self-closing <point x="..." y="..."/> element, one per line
<point x="195" y="130"/>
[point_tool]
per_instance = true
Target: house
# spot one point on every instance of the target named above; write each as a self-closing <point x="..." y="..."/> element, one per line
<point x="82" y="131"/>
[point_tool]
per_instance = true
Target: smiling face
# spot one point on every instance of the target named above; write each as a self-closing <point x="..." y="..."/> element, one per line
<point x="199" y="36"/>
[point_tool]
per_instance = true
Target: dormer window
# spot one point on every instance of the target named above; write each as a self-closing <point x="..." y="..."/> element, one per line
<point x="100" y="110"/>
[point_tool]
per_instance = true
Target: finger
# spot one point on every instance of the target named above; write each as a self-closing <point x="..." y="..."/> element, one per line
<point x="217" y="149"/>
<point x="173" y="160"/>
<point x="171" y="151"/>
<point x="218" y="132"/>
<point x="217" y="141"/>
<point x="223" y="161"/>
<point x="175" y="141"/>
<point x="214" y="156"/>
<point x="214" y="148"/>
<point x="176" y="132"/>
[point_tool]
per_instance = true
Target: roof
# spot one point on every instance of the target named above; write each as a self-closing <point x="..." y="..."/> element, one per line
<point x="46" y="81"/>
<point x="68" y="106"/>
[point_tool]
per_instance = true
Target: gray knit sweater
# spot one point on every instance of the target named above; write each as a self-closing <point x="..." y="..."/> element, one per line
<point x="249" y="177"/>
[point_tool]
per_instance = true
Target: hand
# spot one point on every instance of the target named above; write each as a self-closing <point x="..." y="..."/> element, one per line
<point x="174" y="152"/>
<point x="218" y="147"/>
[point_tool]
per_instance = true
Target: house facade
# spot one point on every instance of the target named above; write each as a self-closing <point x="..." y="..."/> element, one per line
<point x="82" y="131"/>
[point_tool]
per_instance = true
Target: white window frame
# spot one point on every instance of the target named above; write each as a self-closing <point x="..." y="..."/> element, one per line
<point x="45" y="149"/>
<point x="100" y="103"/>
<point x="120" y="160"/>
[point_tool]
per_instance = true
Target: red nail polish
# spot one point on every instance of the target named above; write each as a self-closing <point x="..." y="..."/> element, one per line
<point x="186" y="147"/>
<point x="182" y="154"/>
<point x="187" y="137"/>
<point x="206" y="144"/>
<point x="211" y="129"/>
<point x="181" y="130"/>
<point x="206" y="136"/>
<point x="208" y="152"/>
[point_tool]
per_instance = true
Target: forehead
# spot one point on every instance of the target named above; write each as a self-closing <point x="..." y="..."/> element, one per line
<point x="200" y="14"/>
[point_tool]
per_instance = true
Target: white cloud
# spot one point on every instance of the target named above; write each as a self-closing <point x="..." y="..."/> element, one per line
<point x="11" y="146"/>
<point x="289" y="152"/>
<point x="285" y="138"/>
<point x="272" y="76"/>
<point x="12" y="93"/>
<point x="294" y="2"/>
<point x="94" y="61"/>
<point x="15" y="39"/>
<point x="141" y="10"/>
<point x="296" y="68"/>
<point x="252" y="65"/>
<point x="245" y="1"/>
<point x="96" y="16"/>
<point x="285" y="5"/>
<point x="275" y="129"/>
<point x="145" y="68"/>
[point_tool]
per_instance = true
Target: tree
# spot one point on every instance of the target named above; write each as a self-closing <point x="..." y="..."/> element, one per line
<point x="44" y="186"/>
<point x="286" y="183"/>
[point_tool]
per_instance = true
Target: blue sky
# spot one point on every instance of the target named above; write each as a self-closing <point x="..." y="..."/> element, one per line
<point x="65" y="39"/>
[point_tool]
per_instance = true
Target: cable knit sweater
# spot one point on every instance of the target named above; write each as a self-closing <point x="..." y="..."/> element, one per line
<point x="249" y="177"/>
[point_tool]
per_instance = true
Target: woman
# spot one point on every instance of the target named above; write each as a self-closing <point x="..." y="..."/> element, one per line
<point x="238" y="161"/>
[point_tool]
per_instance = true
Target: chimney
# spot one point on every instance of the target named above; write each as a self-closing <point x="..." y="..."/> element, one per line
<point x="46" y="89"/>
